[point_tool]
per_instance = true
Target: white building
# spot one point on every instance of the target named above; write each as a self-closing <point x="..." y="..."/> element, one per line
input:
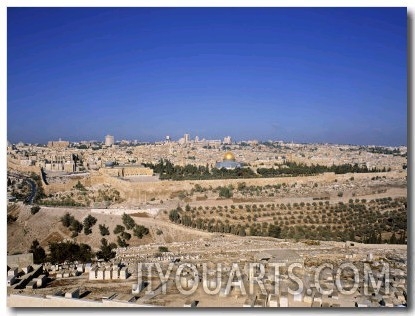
<point x="109" y="140"/>
<point x="227" y="140"/>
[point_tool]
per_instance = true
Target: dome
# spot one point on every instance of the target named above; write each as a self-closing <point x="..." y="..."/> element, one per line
<point x="229" y="156"/>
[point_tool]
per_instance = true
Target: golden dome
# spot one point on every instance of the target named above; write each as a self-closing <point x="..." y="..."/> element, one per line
<point x="229" y="156"/>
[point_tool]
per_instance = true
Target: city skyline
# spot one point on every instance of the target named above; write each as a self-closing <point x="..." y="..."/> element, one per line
<point x="304" y="75"/>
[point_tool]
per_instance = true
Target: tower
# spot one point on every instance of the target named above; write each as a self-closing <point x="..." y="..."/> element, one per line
<point x="109" y="140"/>
<point x="186" y="138"/>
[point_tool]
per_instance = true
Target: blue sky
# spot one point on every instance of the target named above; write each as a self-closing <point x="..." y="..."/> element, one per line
<point x="335" y="75"/>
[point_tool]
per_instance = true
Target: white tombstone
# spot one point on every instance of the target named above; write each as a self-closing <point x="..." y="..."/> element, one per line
<point x="13" y="271"/>
<point x="108" y="274"/>
<point x="72" y="294"/>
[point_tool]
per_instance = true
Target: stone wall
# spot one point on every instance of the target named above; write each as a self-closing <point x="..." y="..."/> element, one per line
<point x="137" y="190"/>
<point x="22" y="260"/>
<point x="14" y="164"/>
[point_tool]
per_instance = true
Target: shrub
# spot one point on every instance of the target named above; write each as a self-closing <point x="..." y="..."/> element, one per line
<point x="163" y="249"/>
<point x="11" y="218"/>
<point x="34" y="209"/>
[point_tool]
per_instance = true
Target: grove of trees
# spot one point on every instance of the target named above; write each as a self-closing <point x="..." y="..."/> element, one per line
<point x="168" y="171"/>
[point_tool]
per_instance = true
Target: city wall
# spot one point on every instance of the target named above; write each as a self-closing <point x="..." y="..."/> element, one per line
<point x="162" y="189"/>
<point x="68" y="185"/>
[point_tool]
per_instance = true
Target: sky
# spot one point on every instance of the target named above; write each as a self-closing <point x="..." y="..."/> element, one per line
<point x="335" y="75"/>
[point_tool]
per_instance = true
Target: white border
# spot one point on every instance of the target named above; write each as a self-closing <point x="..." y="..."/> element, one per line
<point x="156" y="3"/>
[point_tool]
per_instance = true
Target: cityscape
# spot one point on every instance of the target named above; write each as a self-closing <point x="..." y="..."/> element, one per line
<point x="204" y="201"/>
<point x="172" y="168"/>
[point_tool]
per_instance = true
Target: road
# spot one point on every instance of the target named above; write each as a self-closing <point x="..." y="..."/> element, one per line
<point x="33" y="189"/>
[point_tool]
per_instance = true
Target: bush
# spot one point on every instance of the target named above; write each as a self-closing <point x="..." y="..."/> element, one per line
<point x="34" y="209"/>
<point x="80" y="186"/>
<point x="11" y="219"/>
<point x="225" y="192"/>
<point x="163" y="249"/>
<point x="159" y="232"/>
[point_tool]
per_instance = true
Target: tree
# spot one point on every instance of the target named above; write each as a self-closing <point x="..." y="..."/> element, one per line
<point x="85" y="253"/>
<point x="393" y="239"/>
<point x="76" y="226"/>
<point x="119" y="229"/>
<point x="106" y="250"/>
<point x="69" y="251"/>
<point x="121" y="242"/>
<point x="39" y="254"/>
<point x="252" y="230"/>
<point x="128" y="221"/>
<point x="80" y="186"/>
<point x="66" y="219"/>
<point x="126" y="236"/>
<point x="274" y="231"/>
<point x="89" y="221"/>
<point x="104" y="230"/>
<point x="174" y="215"/>
<point x="225" y="192"/>
<point x="140" y="231"/>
